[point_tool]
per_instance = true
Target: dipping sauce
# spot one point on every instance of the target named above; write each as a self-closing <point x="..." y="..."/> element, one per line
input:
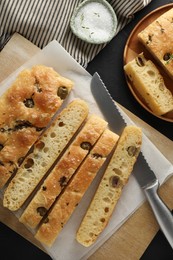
<point x="94" y="21"/>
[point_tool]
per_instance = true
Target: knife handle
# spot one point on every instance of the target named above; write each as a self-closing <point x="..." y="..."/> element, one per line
<point x="162" y="213"/>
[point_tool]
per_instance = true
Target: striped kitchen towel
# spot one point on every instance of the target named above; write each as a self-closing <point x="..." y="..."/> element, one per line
<point x="41" y="21"/>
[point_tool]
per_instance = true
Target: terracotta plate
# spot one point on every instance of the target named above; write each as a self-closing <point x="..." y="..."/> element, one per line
<point x="134" y="47"/>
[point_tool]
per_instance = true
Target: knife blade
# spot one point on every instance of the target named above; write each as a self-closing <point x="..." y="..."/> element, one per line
<point x="145" y="177"/>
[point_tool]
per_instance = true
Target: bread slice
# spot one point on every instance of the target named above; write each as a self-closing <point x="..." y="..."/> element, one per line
<point x="110" y="187"/>
<point x="25" y="110"/>
<point x="157" y="38"/>
<point x="66" y="204"/>
<point x="45" y="152"/>
<point x="147" y="80"/>
<point x="63" y="171"/>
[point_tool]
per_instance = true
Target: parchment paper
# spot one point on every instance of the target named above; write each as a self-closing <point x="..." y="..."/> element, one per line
<point x="65" y="246"/>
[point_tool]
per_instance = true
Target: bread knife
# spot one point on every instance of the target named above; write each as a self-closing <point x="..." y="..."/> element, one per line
<point x="142" y="172"/>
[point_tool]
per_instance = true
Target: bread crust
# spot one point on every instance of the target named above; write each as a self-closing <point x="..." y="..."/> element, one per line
<point x="26" y="108"/>
<point x="110" y="188"/>
<point x="63" y="171"/>
<point x="68" y="201"/>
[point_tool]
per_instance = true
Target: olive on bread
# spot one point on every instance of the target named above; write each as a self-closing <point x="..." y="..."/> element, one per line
<point x="26" y="108"/>
<point x="45" y="151"/>
<point x="63" y="171"/>
<point x="157" y="37"/>
<point x="75" y="190"/>
<point x="111" y="186"/>
<point x="147" y="80"/>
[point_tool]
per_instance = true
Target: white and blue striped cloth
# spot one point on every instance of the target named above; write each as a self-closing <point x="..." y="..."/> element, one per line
<point x="41" y="21"/>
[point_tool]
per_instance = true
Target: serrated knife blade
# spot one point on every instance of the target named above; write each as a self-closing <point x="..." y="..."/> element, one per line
<point x="143" y="174"/>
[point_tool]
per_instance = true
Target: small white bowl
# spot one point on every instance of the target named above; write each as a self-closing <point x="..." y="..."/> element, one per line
<point x="94" y="21"/>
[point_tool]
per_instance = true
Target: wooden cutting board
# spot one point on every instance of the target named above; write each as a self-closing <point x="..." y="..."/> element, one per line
<point x="132" y="238"/>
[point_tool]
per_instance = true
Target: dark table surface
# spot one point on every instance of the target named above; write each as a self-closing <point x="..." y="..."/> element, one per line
<point x="109" y="64"/>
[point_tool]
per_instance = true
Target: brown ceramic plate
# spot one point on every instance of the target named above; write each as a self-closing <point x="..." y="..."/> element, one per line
<point x="134" y="47"/>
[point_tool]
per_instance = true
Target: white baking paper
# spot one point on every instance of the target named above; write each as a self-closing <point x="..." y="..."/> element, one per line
<point x="65" y="246"/>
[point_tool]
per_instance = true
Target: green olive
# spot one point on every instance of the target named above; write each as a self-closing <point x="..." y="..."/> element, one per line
<point x="86" y="146"/>
<point x="62" y="92"/>
<point x="167" y="56"/>
<point x="140" y="62"/>
<point x="114" y="181"/>
<point x="132" y="150"/>
<point x="29" y="102"/>
<point x="42" y="211"/>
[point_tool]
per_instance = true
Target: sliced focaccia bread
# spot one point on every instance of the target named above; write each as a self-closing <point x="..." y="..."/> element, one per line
<point x="111" y="185"/>
<point x="25" y="110"/>
<point x="63" y="171"/>
<point x="45" y="152"/>
<point x="149" y="83"/>
<point x="157" y="37"/>
<point x="67" y="202"/>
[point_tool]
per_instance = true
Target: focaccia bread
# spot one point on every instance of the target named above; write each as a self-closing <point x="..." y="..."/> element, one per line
<point x="158" y="37"/>
<point x="111" y="186"/>
<point x="63" y="171"/>
<point x="148" y="81"/>
<point x="45" y="152"/>
<point x="70" y="198"/>
<point x="25" y="110"/>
